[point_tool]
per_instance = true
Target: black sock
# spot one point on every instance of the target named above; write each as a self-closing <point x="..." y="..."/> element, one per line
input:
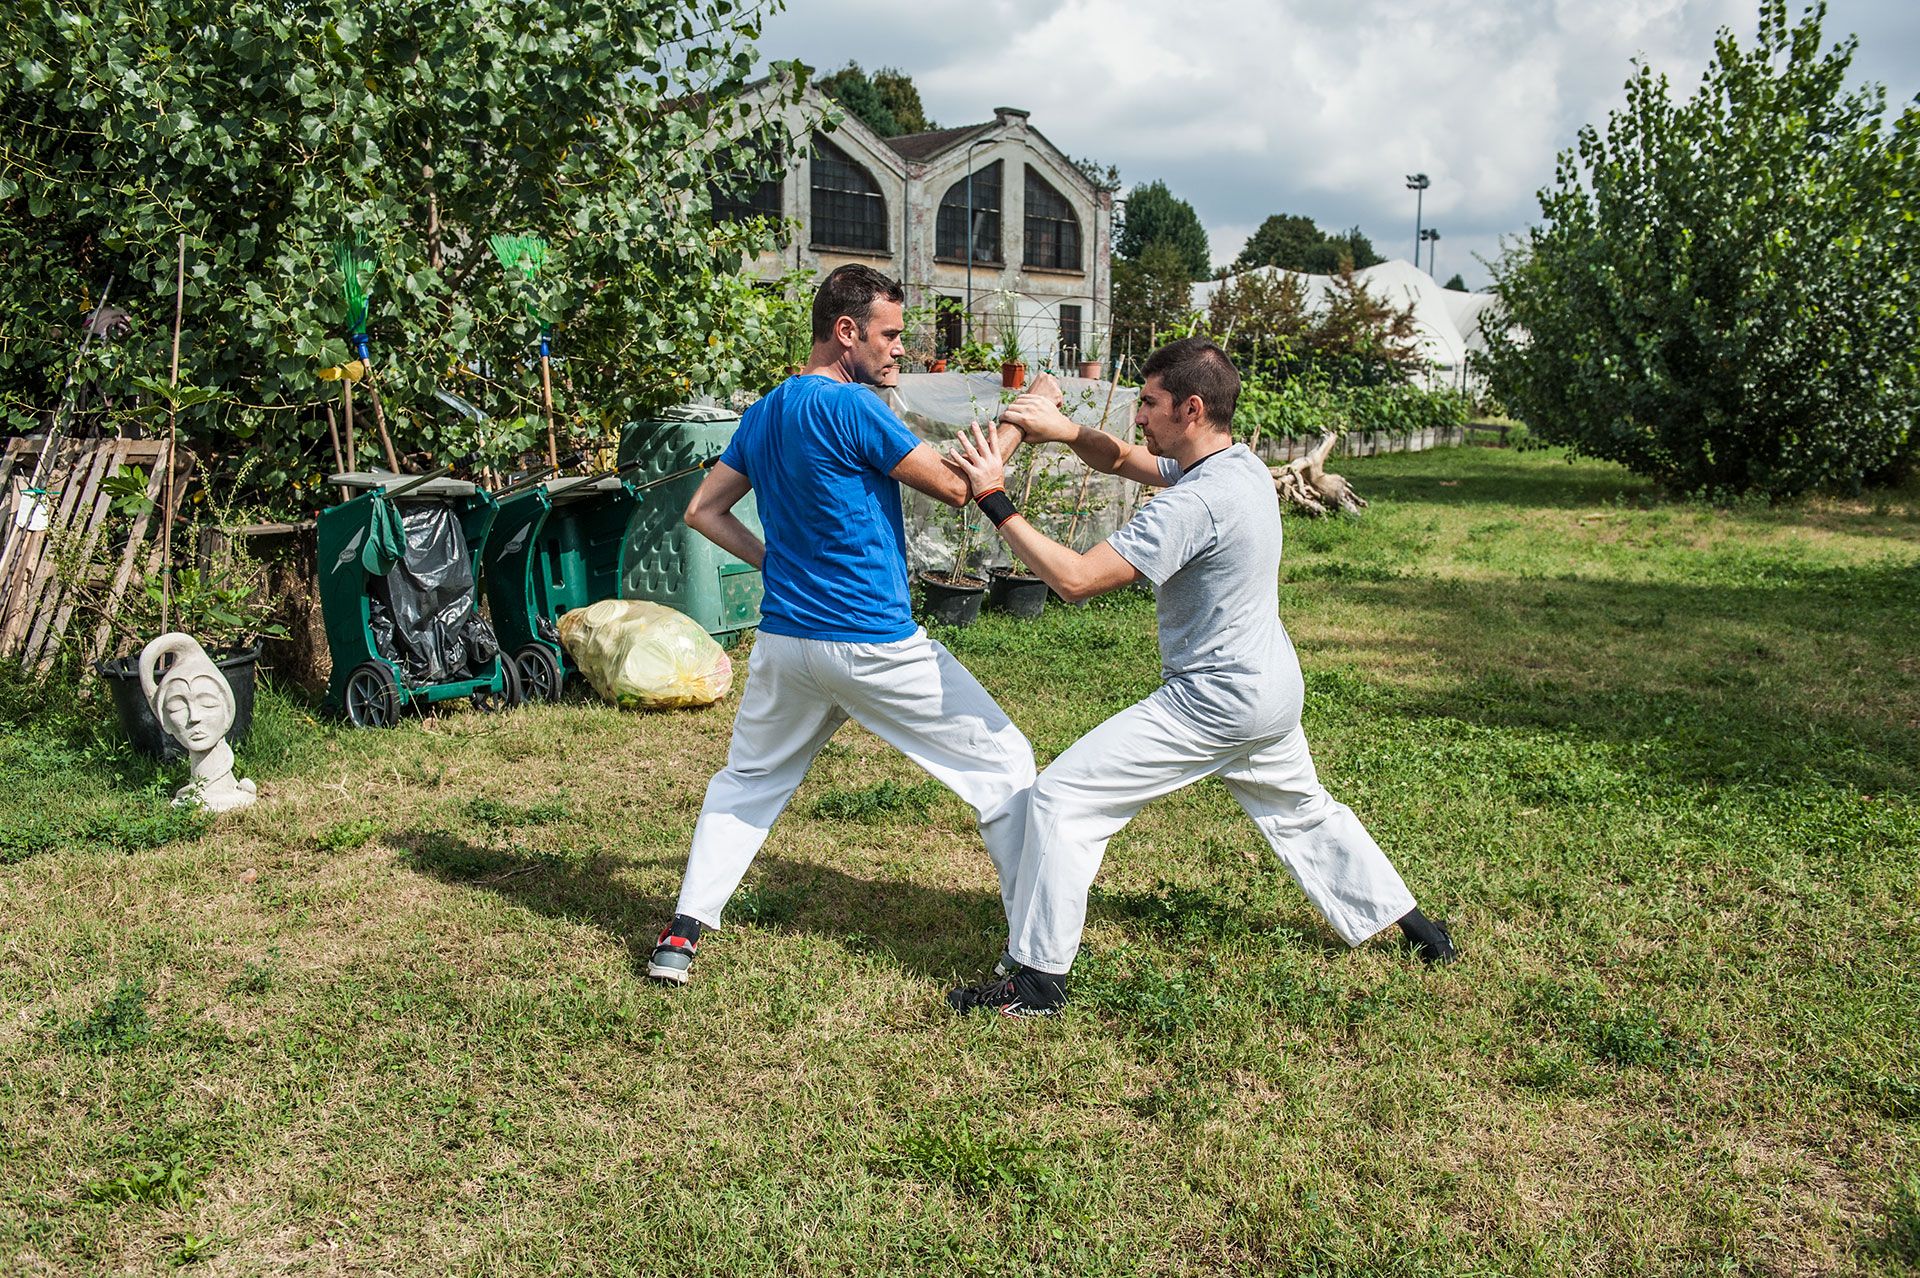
<point x="1422" y="930"/>
<point x="686" y="927"/>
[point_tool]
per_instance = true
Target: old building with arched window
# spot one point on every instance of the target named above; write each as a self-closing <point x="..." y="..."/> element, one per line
<point x="992" y="218"/>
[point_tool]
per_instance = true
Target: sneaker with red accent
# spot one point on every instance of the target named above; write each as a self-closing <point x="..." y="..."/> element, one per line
<point x="672" y="961"/>
<point x="1025" y="993"/>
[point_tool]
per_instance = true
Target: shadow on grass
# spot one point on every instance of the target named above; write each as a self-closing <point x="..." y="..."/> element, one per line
<point x="932" y="933"/>
<point x="1723" y="681"/>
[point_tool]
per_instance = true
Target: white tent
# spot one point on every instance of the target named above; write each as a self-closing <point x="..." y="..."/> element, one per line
<point x="1446" y="321"/>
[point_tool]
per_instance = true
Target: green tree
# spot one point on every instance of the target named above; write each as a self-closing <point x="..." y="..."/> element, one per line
<point x="1155" y="215"/>
<point x="1296" y="243"/>
<point x="1283" y="240"/>
<point x="886" y="102"/>
<point x="1261" y="320"/>
<point x="268" y="133"/>
<point x="852" y="89"/>
<point x="1725" y="292"/>
<point x="1456" y="283"/>
<point x="1151" y="294"/>
<point x="898" y="94"/>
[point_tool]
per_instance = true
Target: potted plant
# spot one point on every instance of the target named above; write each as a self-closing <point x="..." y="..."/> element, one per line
<point x="1090" y="366"/>
<point x="974" y="356"/>
<point x="1013" y="362"/>
<point x="953" y="597"/>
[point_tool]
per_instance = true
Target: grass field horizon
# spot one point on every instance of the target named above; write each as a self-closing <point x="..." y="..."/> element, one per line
<point x="1657" y="761"/>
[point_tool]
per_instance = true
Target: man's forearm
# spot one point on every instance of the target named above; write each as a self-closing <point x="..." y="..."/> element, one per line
<point x="731" y="535"/>
<point x="1098" y="449"/>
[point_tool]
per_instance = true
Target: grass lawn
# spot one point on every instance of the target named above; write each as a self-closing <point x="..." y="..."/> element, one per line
<point x="1659" y="763"/>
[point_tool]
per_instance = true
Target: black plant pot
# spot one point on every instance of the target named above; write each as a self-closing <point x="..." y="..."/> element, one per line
<point x="952" y="605"/>
<point x="136" y="717"/>
<point x="1017" y="596"/>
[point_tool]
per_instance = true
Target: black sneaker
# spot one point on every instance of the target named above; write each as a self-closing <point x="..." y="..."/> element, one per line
<point x="1025" y="993"/>
<point x="672" y="961"/>
<point x="1437" y="950"/>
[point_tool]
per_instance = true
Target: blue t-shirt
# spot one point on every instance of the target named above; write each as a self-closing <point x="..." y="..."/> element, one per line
<point x="818" y="452"/>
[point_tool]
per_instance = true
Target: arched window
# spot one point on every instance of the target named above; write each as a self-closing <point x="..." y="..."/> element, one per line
<point x="1053" y="232"/>
<point x="848" y="210"/>
<point x="740" y="198"/>
<point x="950" y="226"/>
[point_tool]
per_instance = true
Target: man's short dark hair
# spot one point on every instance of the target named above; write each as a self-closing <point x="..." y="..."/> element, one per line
<point x="851" y="291"/>
<point x="1195" y="366"/>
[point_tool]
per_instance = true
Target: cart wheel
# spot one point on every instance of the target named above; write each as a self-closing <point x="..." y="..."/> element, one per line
<point x="540" y="674"/>
<point x="509" y="695"/>
<point x="372" y="697"/>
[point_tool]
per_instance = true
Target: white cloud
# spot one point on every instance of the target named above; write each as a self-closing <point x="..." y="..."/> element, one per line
<point x="1247" y="108"/>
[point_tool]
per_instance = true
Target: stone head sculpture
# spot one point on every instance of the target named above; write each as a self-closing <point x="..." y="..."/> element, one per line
<point x="194" y="704"/>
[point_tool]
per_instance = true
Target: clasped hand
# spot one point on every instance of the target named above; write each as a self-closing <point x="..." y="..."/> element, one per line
<point x="1040" y="420"/>
<point x="978" y="460"/>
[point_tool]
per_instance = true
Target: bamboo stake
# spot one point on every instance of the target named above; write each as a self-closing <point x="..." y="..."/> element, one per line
<point x="346" y="402"/>
<point x="1086" y="474"/>
<point x="333" y="433"/>
<point x="380" y="422"/>
<point x="173" y="439"/>
<point x="546" y="395"/>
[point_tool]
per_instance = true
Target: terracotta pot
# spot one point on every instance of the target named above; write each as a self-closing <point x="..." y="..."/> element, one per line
<point x="1013" y="376"/>
<point x="1090" y="369"/>
<point x="937" y="366"/>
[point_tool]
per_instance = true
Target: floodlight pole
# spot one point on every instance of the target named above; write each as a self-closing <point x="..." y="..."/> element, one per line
<point x="1432" y="237"/>
<point x="1418" y="184"/>
<point x="970" y="146"/>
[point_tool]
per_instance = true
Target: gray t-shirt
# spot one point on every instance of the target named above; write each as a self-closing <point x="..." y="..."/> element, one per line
<point x="1210" y="544"/>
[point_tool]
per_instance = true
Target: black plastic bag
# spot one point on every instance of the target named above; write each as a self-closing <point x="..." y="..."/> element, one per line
<point x="424" y="614"/>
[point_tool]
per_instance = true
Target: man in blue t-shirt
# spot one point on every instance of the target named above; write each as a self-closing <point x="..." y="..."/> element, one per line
<point x="825" y="458"/>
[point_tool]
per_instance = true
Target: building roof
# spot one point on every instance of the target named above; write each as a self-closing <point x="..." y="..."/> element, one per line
<point x="924" y="146"/>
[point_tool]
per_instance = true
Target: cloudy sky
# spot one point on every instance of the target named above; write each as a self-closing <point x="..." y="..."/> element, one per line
<point x="1321" y="107"/>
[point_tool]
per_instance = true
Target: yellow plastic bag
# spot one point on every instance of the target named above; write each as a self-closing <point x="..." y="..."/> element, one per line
<point x="642" y="654"/>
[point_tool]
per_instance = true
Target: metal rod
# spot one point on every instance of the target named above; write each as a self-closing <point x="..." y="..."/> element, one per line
<point x="173" y="438"/>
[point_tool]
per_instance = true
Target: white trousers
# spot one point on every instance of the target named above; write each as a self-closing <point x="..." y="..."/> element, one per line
<point x="912" y="694"/>
<point x="1149" y="749"/>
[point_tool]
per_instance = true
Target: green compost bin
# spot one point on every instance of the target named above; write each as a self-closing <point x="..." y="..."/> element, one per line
<point x="662" y="559"/>
<point x="555" y="546"/>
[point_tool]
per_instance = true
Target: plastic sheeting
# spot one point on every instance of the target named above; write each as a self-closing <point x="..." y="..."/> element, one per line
<point x="641" y="654"/>
<point x="1064" y="497"/>
<point x="423" y="614"/>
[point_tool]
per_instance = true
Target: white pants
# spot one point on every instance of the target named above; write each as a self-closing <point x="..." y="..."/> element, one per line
<point x="911" y="694"/>
<point x="1149" y="749"/>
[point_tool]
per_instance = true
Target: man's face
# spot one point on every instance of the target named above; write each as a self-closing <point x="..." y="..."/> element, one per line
<point x="1162" y="422"/>
<point x="877" y="350"/>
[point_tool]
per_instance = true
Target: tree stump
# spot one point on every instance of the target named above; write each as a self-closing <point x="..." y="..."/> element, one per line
<point x="1306" y="486"/>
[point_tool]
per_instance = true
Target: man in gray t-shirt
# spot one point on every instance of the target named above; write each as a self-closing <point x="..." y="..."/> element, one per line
<point x="1229" y="705"/>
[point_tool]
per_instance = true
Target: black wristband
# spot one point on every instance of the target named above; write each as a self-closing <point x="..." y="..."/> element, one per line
<point x="997" y="506"/>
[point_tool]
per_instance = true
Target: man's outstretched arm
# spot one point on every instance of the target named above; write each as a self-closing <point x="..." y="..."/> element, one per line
<point x="1043" y="423"/>
<point x="1072" y="575"/>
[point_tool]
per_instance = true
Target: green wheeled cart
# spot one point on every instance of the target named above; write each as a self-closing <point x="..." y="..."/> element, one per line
<point x="398" y="567"/>
<point x="555" y="546"/>
<point x="664" y="560"/>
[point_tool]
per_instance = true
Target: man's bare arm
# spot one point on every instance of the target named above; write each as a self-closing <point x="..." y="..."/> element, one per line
<point x="1041" y="422"/>
<point x="926" y="470"/>
<point x="710" y="514"/>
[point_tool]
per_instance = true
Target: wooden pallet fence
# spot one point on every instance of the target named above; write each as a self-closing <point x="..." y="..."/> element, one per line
<point x="36" y="604"/>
